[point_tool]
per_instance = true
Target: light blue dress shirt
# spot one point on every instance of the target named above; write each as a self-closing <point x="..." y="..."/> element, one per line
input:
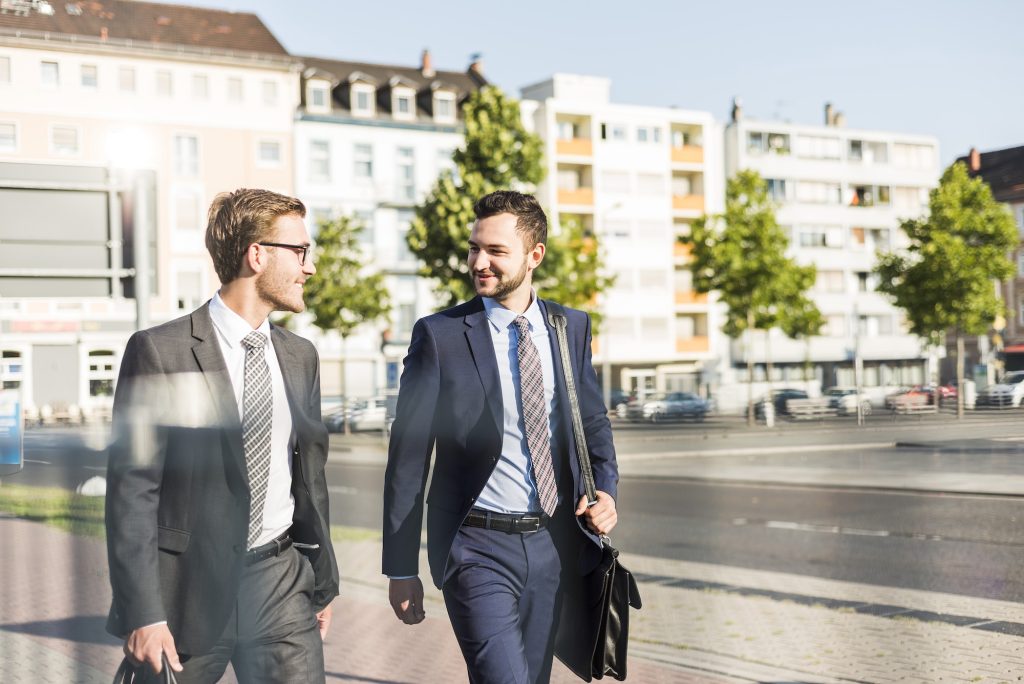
<point x="511" y="488"/>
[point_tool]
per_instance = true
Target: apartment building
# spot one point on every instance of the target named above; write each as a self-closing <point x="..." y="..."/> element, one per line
<point x="370" y="140"/>
<point x="636" y="177"/>
<point x="841" y="194"/>
<point x="1003" y="170"/>
<point x="119" y="122"/>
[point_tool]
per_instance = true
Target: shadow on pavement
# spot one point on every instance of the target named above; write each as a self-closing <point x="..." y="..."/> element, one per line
<point x="80" y="629"/>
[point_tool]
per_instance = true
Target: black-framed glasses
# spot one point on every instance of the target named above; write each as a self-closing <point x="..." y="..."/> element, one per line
<point x="302" y="250"/>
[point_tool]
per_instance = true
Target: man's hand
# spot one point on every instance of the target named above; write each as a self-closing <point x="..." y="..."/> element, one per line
<point x="601" y="517"/>
<point x="147" y="644"/>
<point x="406" y="596"/>
<point x="323" y="620"/>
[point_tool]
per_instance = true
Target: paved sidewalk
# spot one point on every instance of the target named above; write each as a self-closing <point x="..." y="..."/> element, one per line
<point x="700" y="623"/>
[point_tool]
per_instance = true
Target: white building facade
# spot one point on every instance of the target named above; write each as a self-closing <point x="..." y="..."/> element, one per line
<point x="370" y="140"/>
<point x="841" y="194"/>
<point x="636" y="177"/>
<point x="119" y="123"/>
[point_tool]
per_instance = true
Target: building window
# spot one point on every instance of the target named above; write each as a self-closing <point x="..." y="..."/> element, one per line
<point x="402" y="104"/>
<point x="913" y="156"/>
<point x="101" y="373"/>
<point x="444" y="106"/>
<point x="8" y="137"/>
<point x="821" y="236"/>
<point x="402" y="252"/>
<point x="869" y="195"/>
<point x="868" y="152"/>
<point x="406" y="174"/>
<point x="778" y="189"/>
<point x="320" y="161"/>
<point x="830" y="281"/>
<point x="64" y="140"/>
<point x="126" y="79"/>
<point x="186" y="156"/>
<point x="818" y="147"/>
<point x="49" y="74"/>
<point x="405" y="319"/>
<point x="761" y="142"/>
<point x="814" y="192"/>
<point x="317" y="97"/>
<point x="362" y="156"/>
<point x="5" y="69"/>
<point x="446" y="163"/>
<point x="200" y="86"/>
<point x="1020" y="264"/>
<point x="362" y="100"/>
<point x="235" y="90"/>
<point x="187" y="211"/>
<point x="269" y="153"/>
<point x="189" y="289"/>
<point x="90" y="76"/>
<point x="642" y="134"/>
<point x="269" y="93"/>
<point x="364" y="220"/>
<point x="566" y="130"/>
<point x="164" y="84"/>
<point x="835" y="326"/>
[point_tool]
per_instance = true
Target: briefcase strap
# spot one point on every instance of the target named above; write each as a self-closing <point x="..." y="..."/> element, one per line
<point x="558" y="320"/>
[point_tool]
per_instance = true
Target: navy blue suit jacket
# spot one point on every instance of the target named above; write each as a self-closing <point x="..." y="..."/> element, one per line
<point x="450" y="398"/>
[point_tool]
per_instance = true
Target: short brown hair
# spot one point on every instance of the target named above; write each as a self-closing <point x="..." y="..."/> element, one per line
<point x="531" y="222"/>
<point x="240" y="218"/>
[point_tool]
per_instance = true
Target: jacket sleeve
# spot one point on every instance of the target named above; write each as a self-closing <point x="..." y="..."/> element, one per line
<point x="596" y="425"/>
<point x="412" y="441"/>
<point x="325" y="564"/>
<point x="134" y="475"/>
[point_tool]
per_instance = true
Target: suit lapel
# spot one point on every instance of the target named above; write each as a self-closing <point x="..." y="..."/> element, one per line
<point x="211" y="364"/>
<point x="291" y="370"/>
<point x="482" y="347"/>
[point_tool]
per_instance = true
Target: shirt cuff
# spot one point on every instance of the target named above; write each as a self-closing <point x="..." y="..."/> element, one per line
<point x="401" y="577"/>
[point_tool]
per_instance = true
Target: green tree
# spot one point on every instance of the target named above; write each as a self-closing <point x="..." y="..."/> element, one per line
<point x="944" y="280"/>
<point x="741" y="255"/>
<point x="342" y="295"/>
<point x="498" y="154"/>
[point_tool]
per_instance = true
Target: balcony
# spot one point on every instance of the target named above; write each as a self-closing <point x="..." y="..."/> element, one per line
<point x="579" y="197"/>
<point x="693" y="345"/>
<point x="688" y="154"/>
<point x="691" y="297"/>
<point x="688" y="202"/>
<point x="577" y="147"/>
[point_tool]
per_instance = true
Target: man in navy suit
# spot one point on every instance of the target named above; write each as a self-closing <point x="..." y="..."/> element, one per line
<point x="507" y="521"/>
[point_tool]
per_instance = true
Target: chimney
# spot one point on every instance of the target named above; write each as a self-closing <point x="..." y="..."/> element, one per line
<point x="830" y="114"/>
<point x="737" y="109"/>
<point x="839" y="120"/>
<point x="427" y="65"/>
<point x="975" y="160"/>
<point x="477" y="64"/>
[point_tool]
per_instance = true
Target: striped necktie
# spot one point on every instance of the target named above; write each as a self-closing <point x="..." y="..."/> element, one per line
<point x="535" y="417"/>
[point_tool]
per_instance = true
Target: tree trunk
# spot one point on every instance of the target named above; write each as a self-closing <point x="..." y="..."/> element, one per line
<point x="750" y="368"/>
<point x="960" y="389"/>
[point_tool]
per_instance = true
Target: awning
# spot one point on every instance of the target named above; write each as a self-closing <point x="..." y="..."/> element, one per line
<point x="1014" y="349"/>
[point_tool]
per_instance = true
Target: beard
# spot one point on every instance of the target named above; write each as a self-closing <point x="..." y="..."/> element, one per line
<point x="279" y="291"/>
<point x="505" y="286"/>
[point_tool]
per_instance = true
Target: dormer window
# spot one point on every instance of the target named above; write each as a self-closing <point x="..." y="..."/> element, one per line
<point x="444" y="107"/>
<point x="403" y="104"/>
<point x="362" y="99"/>
<point x="318" y="96"/>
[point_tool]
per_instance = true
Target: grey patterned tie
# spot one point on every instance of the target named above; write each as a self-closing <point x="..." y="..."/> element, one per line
<point x="535" y="417"/>
<point x="257" y="414"/>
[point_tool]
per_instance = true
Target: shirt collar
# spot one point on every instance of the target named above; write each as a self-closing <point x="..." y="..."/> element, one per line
<point x="501" y="318"/>
<point x="232" y="327"/>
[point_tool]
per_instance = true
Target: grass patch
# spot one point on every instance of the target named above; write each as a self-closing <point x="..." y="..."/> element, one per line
<point x="344" y="533"/>
<point x="57" y="507"/>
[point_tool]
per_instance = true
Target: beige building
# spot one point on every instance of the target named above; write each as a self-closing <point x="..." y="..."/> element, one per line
<point x="119" y="122"/>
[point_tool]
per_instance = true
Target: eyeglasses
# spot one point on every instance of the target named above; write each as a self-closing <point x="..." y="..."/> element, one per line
<point x="301" y="250"/>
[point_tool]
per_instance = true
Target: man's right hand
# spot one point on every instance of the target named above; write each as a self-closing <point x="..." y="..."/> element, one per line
<point x="147" y="644"/>
<point x="406" y="596"/>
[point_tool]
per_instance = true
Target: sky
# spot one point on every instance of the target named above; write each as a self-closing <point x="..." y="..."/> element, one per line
<point x="951" y="69"/>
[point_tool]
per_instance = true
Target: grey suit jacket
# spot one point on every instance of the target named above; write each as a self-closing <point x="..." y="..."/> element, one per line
<point x="177" y="507"/>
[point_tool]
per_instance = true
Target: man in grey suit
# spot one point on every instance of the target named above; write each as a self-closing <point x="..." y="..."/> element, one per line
<point x="218" y="533"/>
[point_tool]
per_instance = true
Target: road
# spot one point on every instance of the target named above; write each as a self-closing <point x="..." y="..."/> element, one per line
<point x="946" y="542"/>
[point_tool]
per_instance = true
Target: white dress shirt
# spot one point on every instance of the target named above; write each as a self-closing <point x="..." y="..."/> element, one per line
<point x="231" y="330"/>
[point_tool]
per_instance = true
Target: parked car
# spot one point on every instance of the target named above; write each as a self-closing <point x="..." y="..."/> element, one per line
<point x="617" y="400"/>
<point x="670" y="406"/>
<point x="916" y="394"/>
<point x="779" y="399"/>
<point x="844" y="401"/>
<point x="369" y="414"/>
<point x="1007" y="393"/>
<point x="334" y="419"/>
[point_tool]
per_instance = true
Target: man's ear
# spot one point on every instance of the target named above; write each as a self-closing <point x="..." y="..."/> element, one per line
<point x="537" y="254"/>
<point x="255" y="260"/>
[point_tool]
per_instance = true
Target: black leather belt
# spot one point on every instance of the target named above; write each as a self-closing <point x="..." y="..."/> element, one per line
<point x="268" y="550"/>
<point x="512" y="523"/>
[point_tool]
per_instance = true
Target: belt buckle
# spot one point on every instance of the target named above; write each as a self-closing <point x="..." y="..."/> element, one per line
<point x="528" y="523"/>
<point x="277" y="546"/>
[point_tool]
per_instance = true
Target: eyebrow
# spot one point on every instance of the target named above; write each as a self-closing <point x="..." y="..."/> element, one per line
<point x="495" y="245"/>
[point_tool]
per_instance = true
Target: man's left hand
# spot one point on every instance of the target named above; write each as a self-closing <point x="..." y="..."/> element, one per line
<point x="601" y="517"/>
<point x="323" y="620"/>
